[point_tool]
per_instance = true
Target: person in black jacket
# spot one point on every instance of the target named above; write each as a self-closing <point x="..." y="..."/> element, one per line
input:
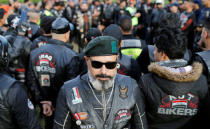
<point x="147" y="55"/>
<point x="19" y="51"/>
<point x="174" y="91"/>
<point x="34" y="18"/>
<point x="46" y="26"/>
<point x="203" y="57"/>
<point x="50" y="66"/>
<point x="131" y="45"/>
<point x="204" y="44"/>
<point x="16" y="110"/>
<point x="188" y="20"/>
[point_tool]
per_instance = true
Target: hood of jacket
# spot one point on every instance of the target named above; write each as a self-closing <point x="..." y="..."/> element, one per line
<point x="179" y="73"/>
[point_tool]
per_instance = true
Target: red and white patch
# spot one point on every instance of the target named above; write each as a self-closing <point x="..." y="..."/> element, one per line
<point x="122" y="115"/>
<point x="76" y="97"/>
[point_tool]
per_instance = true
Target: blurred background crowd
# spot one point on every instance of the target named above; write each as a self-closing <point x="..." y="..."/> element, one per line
<point x="84" y="14"/>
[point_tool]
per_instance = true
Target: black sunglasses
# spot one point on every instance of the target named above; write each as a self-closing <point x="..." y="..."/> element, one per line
<point x="109" y="65"/>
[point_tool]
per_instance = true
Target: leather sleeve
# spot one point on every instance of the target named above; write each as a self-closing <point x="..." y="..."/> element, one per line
<point x="22" y="109"/>
<point x="33" y="85"/>
<point x="62" y="119"/>
<point x="139" y="118"/>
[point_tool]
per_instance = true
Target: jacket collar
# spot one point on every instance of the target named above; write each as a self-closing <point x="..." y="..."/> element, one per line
<point x="58" y="42"/>
<point x="173" y="63"/>
<point x="176" y="70"/>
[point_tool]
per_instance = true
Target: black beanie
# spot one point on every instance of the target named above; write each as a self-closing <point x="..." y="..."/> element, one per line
<point x="46" y="23"/>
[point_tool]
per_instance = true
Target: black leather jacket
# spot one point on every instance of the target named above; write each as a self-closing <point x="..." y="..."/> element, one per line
<point x="174" y="95"/>
<point x="204" y="58"/>
<point x="19" y="57"/>
<point x="49" y="67"/>
<point x="75" y="106"/>
<point x="16" y="110"/>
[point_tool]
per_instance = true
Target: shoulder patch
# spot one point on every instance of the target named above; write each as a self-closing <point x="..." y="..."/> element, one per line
<point x="30" y="105"/>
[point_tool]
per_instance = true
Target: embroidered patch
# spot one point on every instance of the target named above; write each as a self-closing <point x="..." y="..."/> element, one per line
<point x="30" y="105"/>
<point x="87" y="126"/>
<point x="122" y="115"/>
<point x="184" y="105"/>
<point x="81" y="115"/>
<point x="123" y="92"/>
<point x="76" y="96"/>
<point x="45" y="80"/>
<point x="44" y="68"/>
<point x="114" y="46"/>
<point x="45" y="63"/>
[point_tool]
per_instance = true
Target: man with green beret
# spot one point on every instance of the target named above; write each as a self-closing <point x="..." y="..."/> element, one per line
<point x="101" y="98"/>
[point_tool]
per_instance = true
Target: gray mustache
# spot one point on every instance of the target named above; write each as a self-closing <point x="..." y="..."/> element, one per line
<point x="103" y="76"/>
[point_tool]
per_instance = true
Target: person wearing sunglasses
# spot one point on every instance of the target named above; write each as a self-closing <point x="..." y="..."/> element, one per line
<point x="101" y="98"/>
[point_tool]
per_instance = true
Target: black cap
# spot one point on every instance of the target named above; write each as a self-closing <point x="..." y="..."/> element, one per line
<point x="46" y="23"/>
<point x="2" y="12"/>
<point x="114" y="31"/>
<point x="93" y="33"/>
<point x="60" y="26"/>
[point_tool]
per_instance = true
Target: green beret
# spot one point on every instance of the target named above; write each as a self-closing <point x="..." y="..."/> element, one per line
<point x="102" y="45"/>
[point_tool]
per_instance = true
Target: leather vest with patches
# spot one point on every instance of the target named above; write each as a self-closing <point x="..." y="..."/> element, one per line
<point x="80" y="105"/>
<point x="5" y="115"/>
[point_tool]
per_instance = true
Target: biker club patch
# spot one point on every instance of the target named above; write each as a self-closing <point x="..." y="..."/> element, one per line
<point x="122" y="115"/>
<point x="184" y="105"/>
<point x="45" y="68"/>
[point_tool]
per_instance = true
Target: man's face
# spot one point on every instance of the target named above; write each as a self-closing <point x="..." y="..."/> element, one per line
<point x="109" y="1"/>
<point x="205" y="2"/>
<point x="84" y="7"/>
<point x="185" y="5"/>
<point x="103" y="72"/>
<point x="123" y="5"/>
<point x="149" y="1"/>
<point x="204" y="35"/>
<point x="160" y="6"/>
<point x="174" y="9"/>
<point x="17" y="5"/>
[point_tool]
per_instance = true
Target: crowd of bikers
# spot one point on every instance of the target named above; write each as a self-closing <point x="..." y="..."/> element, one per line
<point x="103" y="64"/>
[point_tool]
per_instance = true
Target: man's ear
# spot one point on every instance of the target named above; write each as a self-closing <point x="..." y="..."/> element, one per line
<point x="67" y="35"/>
<point x="206" y="33"/>
<point x="164" y="56"/>
<point x="86" y="58"/>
